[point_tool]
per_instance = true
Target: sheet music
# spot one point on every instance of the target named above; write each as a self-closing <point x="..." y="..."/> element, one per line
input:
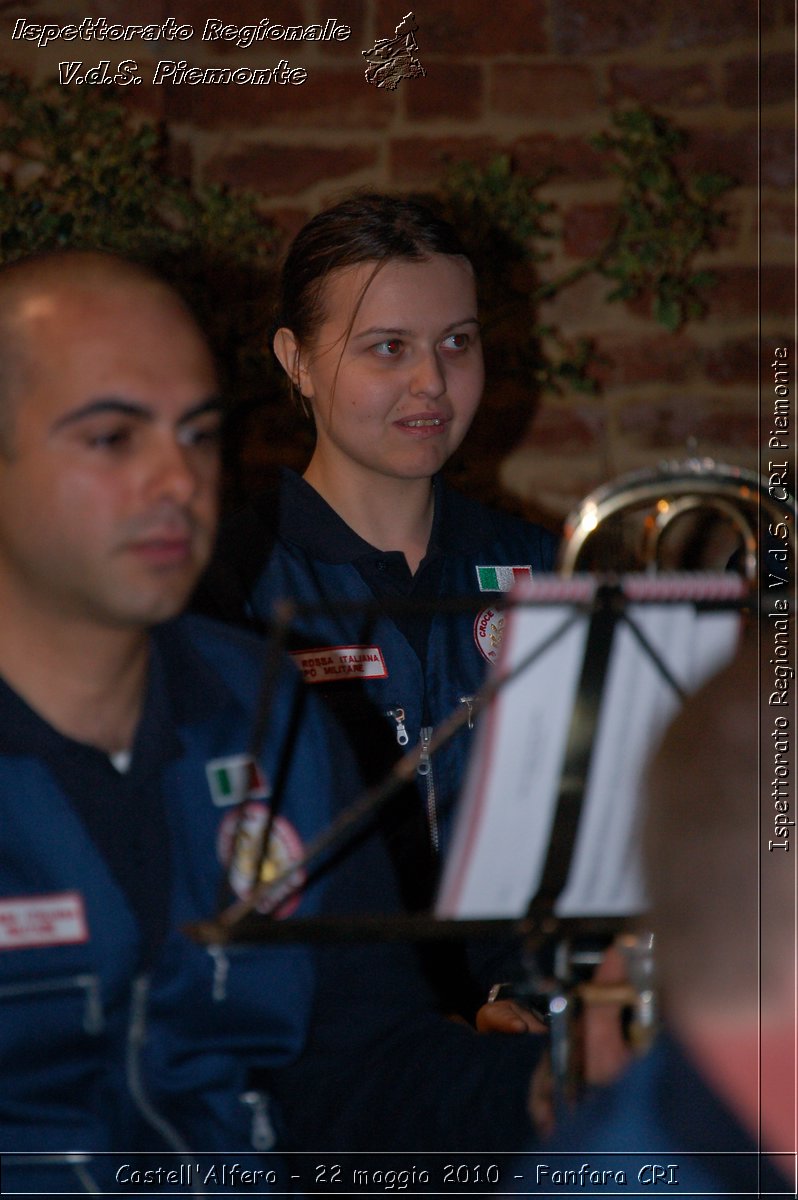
<point x="504" y="825"/>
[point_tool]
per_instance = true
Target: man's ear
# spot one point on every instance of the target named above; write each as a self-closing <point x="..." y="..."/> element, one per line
<point x="291" y="359"/>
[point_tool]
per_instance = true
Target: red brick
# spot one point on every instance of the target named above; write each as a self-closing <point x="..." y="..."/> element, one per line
<point x="777" y="80"/>
<point x="585" y="27"/>
<point x="238" y="12"/>
<point x="679" y="87"/>
<point x="734" y="361"/>
<point x="661" y="358"/>
<point x="777" y="222"/>
<point x="448" y="90"/>
<point x="586" y="228"/>
<point x="734" y="206"/>
<point x="735" y="293"/>
<point x="286" y="170"/>
<point x="777" y="158"/>
<point x="422" y="160"/>
<point x="575" y="427"/>
<point x="777" y="286"/>
<point x="327" y="100"/>
<point x="579" y="307"/>
<point x="49" y="14"/>
<point x="148" y="101"/>
<point x="451" y="27"/>
<point x="734" y="429"/>
<point x="697" y="24"/>
<point x="572" y="159"/>
<point x="353" y="14"/>
<point x="180" y="158"/>
<point x="659" y="424"/>
<point x="746" y="155"/>
<point x="289" y="220"/>
<point x="734" y="154"/>
<point x="147" y="12"/>
<point x="542" y="90"/>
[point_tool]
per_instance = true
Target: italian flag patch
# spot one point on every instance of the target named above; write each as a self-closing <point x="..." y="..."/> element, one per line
<point x="235" y="779"/>
<point x="501" y="579"/>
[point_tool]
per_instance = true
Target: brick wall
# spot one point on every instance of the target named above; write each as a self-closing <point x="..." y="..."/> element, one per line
<point x="535" y="78"/>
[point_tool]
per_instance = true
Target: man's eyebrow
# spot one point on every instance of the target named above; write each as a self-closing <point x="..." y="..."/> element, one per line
<point x="114" y="406"/>
<point x="214" y="404"/>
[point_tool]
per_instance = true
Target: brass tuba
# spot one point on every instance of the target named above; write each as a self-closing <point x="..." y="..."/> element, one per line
<point x="735" y="495"/>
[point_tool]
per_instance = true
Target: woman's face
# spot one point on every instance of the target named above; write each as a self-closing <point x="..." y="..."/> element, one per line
<point x="397" y="395"/>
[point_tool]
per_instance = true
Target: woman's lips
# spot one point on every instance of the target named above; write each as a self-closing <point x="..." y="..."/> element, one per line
<point x="423" y="425"/>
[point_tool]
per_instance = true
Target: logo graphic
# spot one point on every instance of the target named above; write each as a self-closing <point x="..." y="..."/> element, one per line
<point x="235" y="779"/>
<point x="248" y="862"/>
<point x="501" y="579"/>
<point x="488" y="632"/>
<point x="393" y="59"/>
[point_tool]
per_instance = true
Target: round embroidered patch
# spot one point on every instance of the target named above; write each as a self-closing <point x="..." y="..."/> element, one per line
<point x="488" y="632"/>
<point x="240" y="849"/>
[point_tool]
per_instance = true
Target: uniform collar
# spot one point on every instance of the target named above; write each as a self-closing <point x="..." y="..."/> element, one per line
<point x="306" y="519"/>
<point x="181" y="689"/>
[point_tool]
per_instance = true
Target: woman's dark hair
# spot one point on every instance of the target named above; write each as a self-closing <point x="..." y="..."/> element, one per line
<point x="370" y="227"/>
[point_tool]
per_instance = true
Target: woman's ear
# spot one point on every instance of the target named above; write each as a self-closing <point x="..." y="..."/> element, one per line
<point x="291" y="359"/>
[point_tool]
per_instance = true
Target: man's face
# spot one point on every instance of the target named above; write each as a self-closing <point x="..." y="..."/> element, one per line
<point x="108" y="497"/>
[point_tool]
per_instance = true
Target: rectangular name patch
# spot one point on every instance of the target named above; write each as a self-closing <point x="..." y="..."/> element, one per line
<point x="57" y="920"/>
<point x="330" y="663"/>
<point x="501" y="579"/>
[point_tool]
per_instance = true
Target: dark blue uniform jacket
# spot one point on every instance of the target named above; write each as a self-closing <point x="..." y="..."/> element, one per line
<point x="118" y="1032"/>
<point x="368" y="636"/>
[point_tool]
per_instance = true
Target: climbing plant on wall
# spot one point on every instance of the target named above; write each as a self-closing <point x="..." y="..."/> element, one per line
<point x="80" y="169"/>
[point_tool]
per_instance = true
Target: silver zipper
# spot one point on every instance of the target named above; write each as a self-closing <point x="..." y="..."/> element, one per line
<point x="136" y="1036"/>
<point x="468" y="701"/>
<point x="78" y="1162"/>
<point x="424" y="769"/>
<point x="398" y="715"/>
<point x="221" y="969"/>
<point x="263" y="1135"/>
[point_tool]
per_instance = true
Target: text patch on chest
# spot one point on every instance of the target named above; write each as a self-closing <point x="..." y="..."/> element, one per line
<point x="55" y="920"/>
<point x="330" y="663"/>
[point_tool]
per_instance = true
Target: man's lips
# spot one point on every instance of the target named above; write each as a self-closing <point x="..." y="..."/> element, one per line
<point x="164" y="549"/>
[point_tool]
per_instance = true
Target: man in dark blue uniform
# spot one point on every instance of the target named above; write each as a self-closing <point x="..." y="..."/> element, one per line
<point x="130" y="799"/>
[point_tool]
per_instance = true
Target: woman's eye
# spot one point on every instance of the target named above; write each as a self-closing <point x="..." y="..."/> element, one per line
<point x="457" y="341"/>
<point x="389" y="348"/>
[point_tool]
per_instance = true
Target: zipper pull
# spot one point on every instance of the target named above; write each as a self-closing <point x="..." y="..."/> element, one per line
<point x="469" y="703"/>
<point x="424" y="769"/>
<point x="398" y="714"/>
<point x="93" y="1016"/>
<point x="263" y="1135"/>
<point x="221" y="967"/>
<point x="425" y="761"/>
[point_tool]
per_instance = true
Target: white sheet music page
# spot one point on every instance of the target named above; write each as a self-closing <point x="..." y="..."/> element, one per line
<point x="504" y="819"/>
<point x="504" y="825"/>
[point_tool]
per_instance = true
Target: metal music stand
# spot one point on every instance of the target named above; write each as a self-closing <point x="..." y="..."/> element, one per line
<point x="600" y="607"/>
<point x="556" y="779"/>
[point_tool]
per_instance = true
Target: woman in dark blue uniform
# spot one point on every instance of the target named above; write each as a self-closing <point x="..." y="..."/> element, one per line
<point x="379" y="335"/>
